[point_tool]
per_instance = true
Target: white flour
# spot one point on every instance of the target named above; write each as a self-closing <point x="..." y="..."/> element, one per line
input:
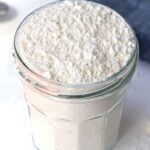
<point x="75" y="42"/>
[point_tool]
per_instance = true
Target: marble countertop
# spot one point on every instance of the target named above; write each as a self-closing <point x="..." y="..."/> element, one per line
<point x="14" y="123"/>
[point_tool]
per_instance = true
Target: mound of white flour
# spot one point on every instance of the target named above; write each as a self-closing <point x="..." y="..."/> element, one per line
<point x="75" y="42"/>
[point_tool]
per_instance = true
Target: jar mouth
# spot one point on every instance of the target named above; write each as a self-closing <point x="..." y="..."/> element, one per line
<point x="107" y="81"/>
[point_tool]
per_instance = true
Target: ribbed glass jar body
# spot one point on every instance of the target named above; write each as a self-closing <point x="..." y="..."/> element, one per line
<point x="92" y="124"/>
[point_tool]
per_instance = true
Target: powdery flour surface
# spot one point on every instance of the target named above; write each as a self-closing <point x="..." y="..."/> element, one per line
<point x="75" y="42"/>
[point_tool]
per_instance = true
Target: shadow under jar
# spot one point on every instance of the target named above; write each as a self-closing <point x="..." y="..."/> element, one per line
<point x="75" y="117"/>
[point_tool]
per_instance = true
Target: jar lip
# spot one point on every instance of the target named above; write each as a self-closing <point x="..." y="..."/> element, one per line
<point x="71" y="85"/>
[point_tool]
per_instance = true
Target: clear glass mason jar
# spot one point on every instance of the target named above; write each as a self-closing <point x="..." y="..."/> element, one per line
<point x="75" y="117"/>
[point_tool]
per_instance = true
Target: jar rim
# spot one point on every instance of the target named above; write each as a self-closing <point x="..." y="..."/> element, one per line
<point x="70" y="85"/>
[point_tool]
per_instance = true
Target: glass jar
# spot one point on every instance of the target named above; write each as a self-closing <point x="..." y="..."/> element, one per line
<point x="75" y="117"/>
